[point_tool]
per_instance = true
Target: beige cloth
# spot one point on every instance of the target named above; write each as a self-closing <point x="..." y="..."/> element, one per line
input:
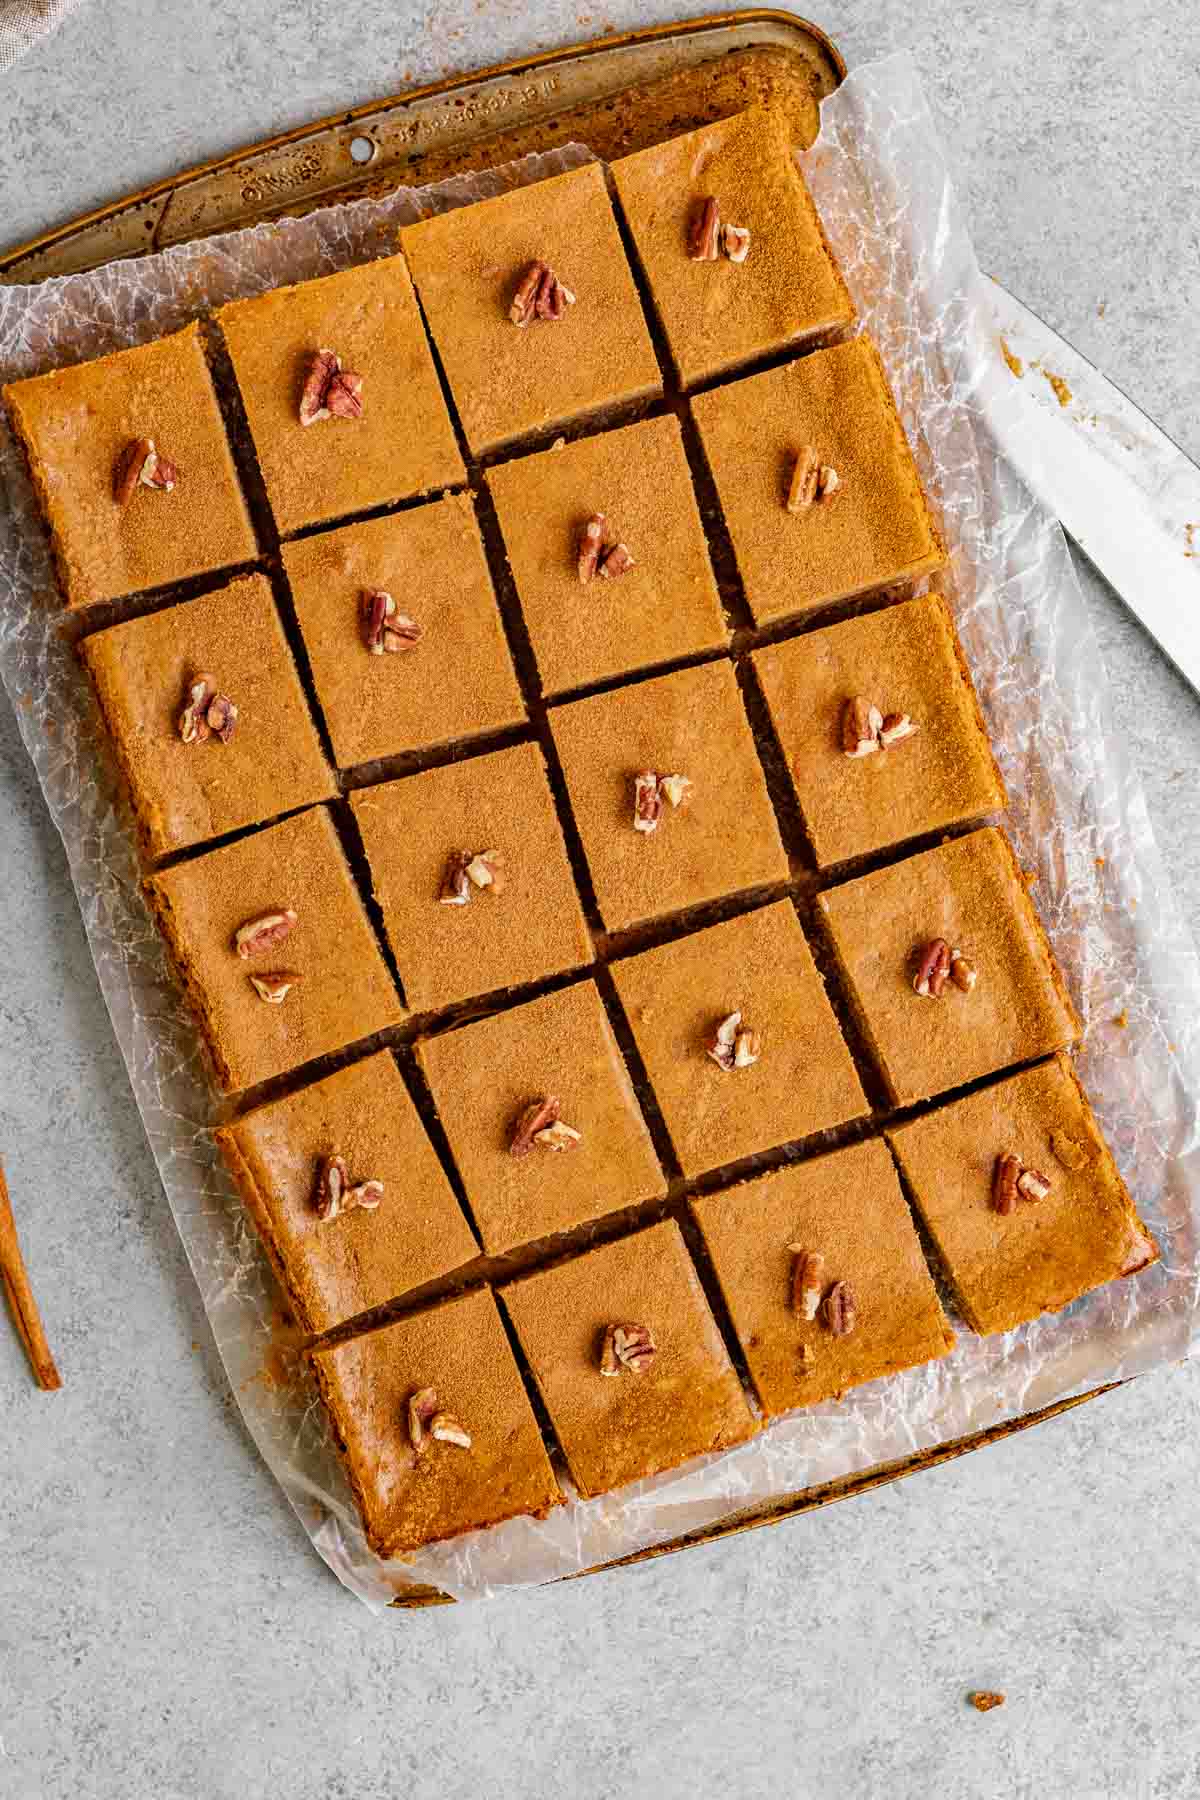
<point x="22" y="22"/>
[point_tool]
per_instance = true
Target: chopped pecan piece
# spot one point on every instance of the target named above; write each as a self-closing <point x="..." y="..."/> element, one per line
<point x="221" y="717"/>
<point x="329" y="391"/>
<point x="274" y="985"/>
<point x="720" y="1045"/>
<point x="963" y="974"/>
<point x="261" y="933"/>
<point x="894" y="728"/>
<point x="558" y="1136"/>
<point x="812" y="481"/>
<point x="933" y="969"/>
<point x="193" y="720"/>
<point x="456" y="885"/>
<point x="647" y="801"/>
<point x="401" y="633"/>
<point x="615" y="560"/>
<point x="524" y="299"/>
<point x="141" y="465"/>
<point x="553" y="297"/>
<point x="840" y="1309"/>
<point x="704" y="231"/>
<point x="1033" y="1185"/>
<point x="486" y="870"/>
<point x="861" y="726"/>
<point x="629" y="1347"/>
<point x="747" y="1048"/>
<point x="333" y="1178"/>
<point x="591" y="544"/>
<point x="735" y="242"/>
<point x="538" y="1116"/>
<point x="447" y="1430"/>
<point x="808" y="1280"/>
<point x="1004" y="1182"/>
<point x="422" y="1410"/>
<point x="675" y="788"/>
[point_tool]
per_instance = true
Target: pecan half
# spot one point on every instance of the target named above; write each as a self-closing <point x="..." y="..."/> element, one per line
<point x="221" y="717"/>
<point x="841" y="1311"/>
<point x="376" y="607"/>
<point x="894" y="728"/>
<point x="329" y="391"/>
<point x="704" y="231"/>
<point x="422" y="1411"/>
<point x="456" y="885"/>
<point x="553" y="297"/>
<point x="538" y="1116"/>
<point x="591" y="544"/>
<point x="193" y="720"/>
<point x="447" y="1430"/>
<point x="861" y="726"/>
<point x="274" y="985"/>
<point x="524" y="300"/>
<point x="1033" y="1185"/>
<point x="141" y="465"/>
<point x="808" y="1280"/>
<point x="735" y="242"/>
<point x="963" y="974"/>
<point x="629" y="1347"/>
<point x="615" y="560"/>
<point x="263" y="932"/>
<point x="647" y="801"/>
<point x="486" y="870"/>
<point x="933" y="969"/>
<point x="333" y="1178"/>
<point x="812" y="481"/>
<point x="558" y="1136"/>
<point x="675" y="788"/>
<point x="1004" y="1182"/>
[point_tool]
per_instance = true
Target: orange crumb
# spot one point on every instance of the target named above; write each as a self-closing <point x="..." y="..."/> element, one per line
<point x="1100" y="862"/>
<point x="983" y="1700"/>
<point x="1102" y="309"/>
<point x="1014" y="362"/>
<point x="1062" y="392"/>
<point x="1122" y="1019"/>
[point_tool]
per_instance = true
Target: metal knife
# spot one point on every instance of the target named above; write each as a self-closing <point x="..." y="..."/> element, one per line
<point x="1127" y="495"/>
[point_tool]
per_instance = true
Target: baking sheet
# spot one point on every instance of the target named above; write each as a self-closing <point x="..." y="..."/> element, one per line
<point x="1078" y="819"/>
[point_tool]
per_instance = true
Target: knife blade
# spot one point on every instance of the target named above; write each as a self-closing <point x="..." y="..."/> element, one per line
<point x="1126" y="494"/>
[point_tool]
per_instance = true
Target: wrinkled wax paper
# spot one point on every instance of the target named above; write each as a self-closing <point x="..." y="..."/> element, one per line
<point x="1078" y="818"/>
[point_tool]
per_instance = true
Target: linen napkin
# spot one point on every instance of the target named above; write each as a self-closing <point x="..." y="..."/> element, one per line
<point x="22" y="22"/>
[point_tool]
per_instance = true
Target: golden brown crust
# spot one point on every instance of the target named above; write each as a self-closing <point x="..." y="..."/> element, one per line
<point x="759" y="964"/>
<point x="874" y="532"/>
<point x="718" y="315"/>
<point x="460" y="1350"/>
<point x="621" y="1428"/>
<point x="847" y="1208"/>
<point x="1009" y="1267"/>
<point x="75" y="423"/>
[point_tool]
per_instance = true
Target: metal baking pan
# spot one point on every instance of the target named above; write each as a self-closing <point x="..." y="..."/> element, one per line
<point x="615" y="95"/>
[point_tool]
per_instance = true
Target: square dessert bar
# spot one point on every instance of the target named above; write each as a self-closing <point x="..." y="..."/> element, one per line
<point x="455" y="680"/>
<point x="271" y="991"/>
<point x="718" y="312"/>
<point x="186" y="781"/>
<point x="631" y="1406"/>
<point x="80" y="428"/>
<point x="721" y="834"/>
<point x="1069" y="1224"/>
<point x="921" y="762"/>
<point x="456" y="1359"/>
<point x="391" y="439"/>
<point x="489" y="1080"/>
<point x="792" y="1249"/>
<point x="759" y="966"/>
<point x="866" y="526"/>
<point x="451" y="937"/>
<point x="949" y="970"/>
<point x="336" y="1261"/>
<point x="665" y="605"/>
<point x="474" y="268"/>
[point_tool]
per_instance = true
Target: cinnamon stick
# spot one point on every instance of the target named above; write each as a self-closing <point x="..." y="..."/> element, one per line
<point x="15" y="1280"/>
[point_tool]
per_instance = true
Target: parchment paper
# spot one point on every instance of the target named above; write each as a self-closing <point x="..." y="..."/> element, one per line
<point x="1077" y="817"/>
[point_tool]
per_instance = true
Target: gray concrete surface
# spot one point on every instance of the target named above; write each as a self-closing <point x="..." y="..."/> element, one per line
<point x="165" y="1633"/>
